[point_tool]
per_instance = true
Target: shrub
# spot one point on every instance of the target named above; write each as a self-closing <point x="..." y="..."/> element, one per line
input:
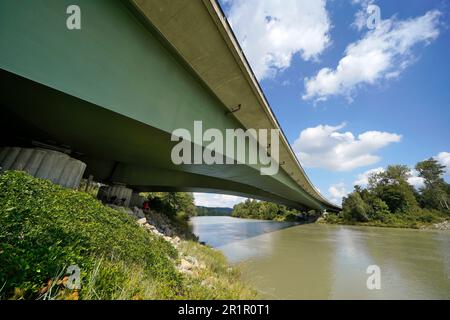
<point x="354" y="208"/>
<point x="333" y="218"/>
<point x="378" y="210"/>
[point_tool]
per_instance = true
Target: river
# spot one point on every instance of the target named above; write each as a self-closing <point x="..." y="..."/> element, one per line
<point x="317" y="261"/>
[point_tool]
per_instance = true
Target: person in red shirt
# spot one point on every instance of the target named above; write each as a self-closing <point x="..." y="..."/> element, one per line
<point x="146" y="207"/>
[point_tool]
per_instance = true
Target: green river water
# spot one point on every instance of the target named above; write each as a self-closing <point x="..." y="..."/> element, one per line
<point x="317" y="261"/>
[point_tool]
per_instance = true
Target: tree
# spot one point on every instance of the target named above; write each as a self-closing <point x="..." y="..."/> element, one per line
<point x="185" y="201"/>
<point x="390" y="199"/>
<point x="431" y="171"/>
<point x="447" y="190"/>
<point x="377" y="209"/>
<point x="393" y="188"/>
<point x="434" y="194"/>
<point x="263" y="210"/>
<point x="171" y="203"/>
<point x="354" y="208"/>
<point x="394" y="174"/>
<point x="267" y="210"/>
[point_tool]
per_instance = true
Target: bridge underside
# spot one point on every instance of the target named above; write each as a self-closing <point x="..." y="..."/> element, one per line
<point x="112" y="93"/>
<point x="116" y="149"/>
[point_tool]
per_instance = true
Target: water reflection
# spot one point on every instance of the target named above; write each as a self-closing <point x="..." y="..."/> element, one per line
<point x="414" y="263"/>
<point x="330" y="262"/>
<point x="296" y="267"/>
<point x="221" y="231"/>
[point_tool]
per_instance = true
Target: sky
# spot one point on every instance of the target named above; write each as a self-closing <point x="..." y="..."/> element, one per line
<point x="353" y="93"/>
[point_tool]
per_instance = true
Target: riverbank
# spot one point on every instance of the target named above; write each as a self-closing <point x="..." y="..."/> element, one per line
<point x="322" y="261"/>
<point x="47" y="231"/>
<point x="394" y="223"/>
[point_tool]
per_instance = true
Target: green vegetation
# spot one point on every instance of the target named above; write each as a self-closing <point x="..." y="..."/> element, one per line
<point x="436" y="193"/>
<point x="177" y="206"/>
<point x="263" y="210"/>
<point x="213" y="278"/>
<point x="389" y="200"/>
<point x="45" y="228"/>
<point x="172" y="203"/>
<point x="207" y="211"/>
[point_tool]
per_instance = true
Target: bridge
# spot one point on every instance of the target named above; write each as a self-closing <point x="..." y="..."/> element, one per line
<point x="111" y="93"/>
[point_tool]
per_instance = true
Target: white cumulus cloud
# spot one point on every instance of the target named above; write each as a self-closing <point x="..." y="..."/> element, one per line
<point x="361" y="15"/>
<point x="383" y="53"/>
<point x="328" y="147"/>
<point x="337" y="192"/>
<point x="363" y="178"/>
<point x="444" y="159"/>
<point x="271" y="32"/>
<point x="414" y="180"/>
<point x="216" y="200"/>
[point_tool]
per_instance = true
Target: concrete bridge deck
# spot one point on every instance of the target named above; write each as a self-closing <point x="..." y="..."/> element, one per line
<point x="112" y="93"/>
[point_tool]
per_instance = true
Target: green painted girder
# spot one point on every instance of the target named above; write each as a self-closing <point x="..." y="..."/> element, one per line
<point x="113" y="92"/>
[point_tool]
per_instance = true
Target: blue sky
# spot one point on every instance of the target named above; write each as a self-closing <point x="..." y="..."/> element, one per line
<point x="350" y="99"/>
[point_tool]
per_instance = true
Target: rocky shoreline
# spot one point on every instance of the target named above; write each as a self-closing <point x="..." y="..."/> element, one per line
<point x="161" y="226"/>
<point x="440" y="226"/>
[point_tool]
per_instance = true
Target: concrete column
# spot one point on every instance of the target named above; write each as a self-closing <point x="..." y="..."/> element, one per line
<point x="136" y="200"/>
<point x="55" y="166"/>
<point x="3" y="152"/>
<point x="35" y="161"/>
<point x="72" y="173"/>
<point x="22" y="159"/>
<point x="102" y="193"/>
<point x="119" y="192"/>
<point x="10" y="157"/>
<point x="59" y="161"/>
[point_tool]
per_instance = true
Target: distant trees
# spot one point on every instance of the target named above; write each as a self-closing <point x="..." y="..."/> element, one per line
<point x="263" y="210"/>
<point x="390" y="200"/>
<point x="207" y="211"/>
<point x="172" y="203"/>
<point x="180" y="206"/>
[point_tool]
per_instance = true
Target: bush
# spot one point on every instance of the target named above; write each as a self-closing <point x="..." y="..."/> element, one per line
<point x="378" y="210"/>
<point x="354" y="208"/>
<point x="171" y="203"/>
<point x="290" y="217"/>
<point x="427" y="215"/>
<point x="333" y="218"/>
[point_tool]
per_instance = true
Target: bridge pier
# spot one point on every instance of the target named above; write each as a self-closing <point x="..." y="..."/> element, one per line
<point x="117" y="194"/>
<point x="136" y="200"/>
<point x="55" y="166"/>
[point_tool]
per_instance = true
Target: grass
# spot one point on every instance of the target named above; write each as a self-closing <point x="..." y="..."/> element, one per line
<point x="214" y="278"/>
<point x="45" y="228"/>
